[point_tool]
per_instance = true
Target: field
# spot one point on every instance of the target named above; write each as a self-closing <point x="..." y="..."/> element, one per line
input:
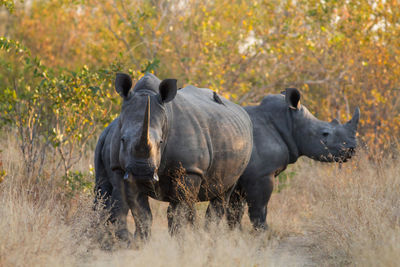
<point x="324" y="215"/>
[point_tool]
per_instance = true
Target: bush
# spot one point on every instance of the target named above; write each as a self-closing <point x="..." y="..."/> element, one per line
<point x="59" y="111"/>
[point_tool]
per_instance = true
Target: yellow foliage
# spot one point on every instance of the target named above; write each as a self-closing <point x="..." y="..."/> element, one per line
<point x="342" y="54"/>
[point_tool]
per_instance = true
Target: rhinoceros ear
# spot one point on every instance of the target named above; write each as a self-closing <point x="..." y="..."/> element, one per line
<point x="123" y="84"/>
<point x="114" y="150"/>
<point x="292" y="97"/>
<point x="168" y="90"/>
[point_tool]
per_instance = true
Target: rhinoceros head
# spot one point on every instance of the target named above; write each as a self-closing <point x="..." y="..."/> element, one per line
<point x="320" y="140"/>
<point x="137" y="146"/>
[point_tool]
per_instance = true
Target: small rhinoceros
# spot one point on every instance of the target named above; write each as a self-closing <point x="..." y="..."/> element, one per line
<point x="171" y="145"/>
<point x="284" y="130"/>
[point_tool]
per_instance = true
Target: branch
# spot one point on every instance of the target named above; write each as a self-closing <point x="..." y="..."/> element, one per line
<point x="127" y="46"/>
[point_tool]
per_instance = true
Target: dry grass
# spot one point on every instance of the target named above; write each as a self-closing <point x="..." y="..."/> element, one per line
<point x="347" y="215"/>
<point x="328" y="215"/>
<point x="355" y="213"/>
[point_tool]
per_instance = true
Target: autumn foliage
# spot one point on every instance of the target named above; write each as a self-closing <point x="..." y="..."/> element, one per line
<point x="341" y="54"/>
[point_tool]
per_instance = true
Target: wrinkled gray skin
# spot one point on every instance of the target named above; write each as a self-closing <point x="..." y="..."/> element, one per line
<point x="284" y="130"/>
<point x="160" y="131"/>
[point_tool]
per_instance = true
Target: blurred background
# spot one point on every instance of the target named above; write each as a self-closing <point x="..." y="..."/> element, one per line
<point x="340" y="54"/>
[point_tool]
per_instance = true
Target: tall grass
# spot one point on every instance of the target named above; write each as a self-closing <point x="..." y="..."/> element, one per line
<point x="355" y="212"/>
<point x="39" y="223"/>
<point x="328" y="214"/>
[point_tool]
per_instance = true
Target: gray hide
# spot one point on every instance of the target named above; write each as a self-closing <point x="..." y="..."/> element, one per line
<point x="171" y="145"/>
<point x="284" y="130"/>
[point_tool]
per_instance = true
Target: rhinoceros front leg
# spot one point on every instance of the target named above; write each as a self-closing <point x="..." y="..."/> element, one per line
<point x="182" y="211"/>
<point x="179" y="215"/>
<point x="119" y="211"/>
<point x="258" y="192"/>
<point x="141" y="212"/>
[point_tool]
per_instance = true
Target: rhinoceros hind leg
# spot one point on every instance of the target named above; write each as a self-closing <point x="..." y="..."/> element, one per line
<point x="215" y="211"/>
<point x="258" y="194"/>
<point x="235" y="209"/>
<point x="217" y="208"/>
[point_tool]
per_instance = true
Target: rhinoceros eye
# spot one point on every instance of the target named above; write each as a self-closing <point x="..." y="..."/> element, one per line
<point x="123" y="140"/>
<point x="325" y="134"/>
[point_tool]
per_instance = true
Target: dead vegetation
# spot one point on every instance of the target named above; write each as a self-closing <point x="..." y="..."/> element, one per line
<point x="327" y="215"/>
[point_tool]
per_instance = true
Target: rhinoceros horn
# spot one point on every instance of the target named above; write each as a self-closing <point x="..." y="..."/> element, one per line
<point x="354" y="120"/>
<point x="143" y="147"/>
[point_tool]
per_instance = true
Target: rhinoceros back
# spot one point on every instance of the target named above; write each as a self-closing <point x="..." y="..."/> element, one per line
<point x="208" y="138"/>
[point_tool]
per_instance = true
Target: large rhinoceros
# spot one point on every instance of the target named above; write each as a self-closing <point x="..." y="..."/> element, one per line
<point x="176" y="146"/>
<point x="283" y="131"/>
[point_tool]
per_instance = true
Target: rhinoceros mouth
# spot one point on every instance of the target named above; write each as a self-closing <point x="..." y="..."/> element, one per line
<point x="346" y="154"/>
<point x="141" y="170"/>
<point x="343" y="156"/>
<point x="129" y="176"/>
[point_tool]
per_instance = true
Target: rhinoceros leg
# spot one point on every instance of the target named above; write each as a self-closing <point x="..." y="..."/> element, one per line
<point x="182" y="211"/>
<point x="217" y="207"/>
<point x="235" y="209"/>
<point x="215" y="211"/>
<point x="258" y="193"/>
<point x="119" y="211"/>
<point x="103" y="190"/>
<point x="180" y="214"/>
<point x="141" y="212"/>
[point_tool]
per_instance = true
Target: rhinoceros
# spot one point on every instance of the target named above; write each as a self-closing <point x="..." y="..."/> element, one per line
<point x="178" y="146"/>
<point x="284" y="130"/>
